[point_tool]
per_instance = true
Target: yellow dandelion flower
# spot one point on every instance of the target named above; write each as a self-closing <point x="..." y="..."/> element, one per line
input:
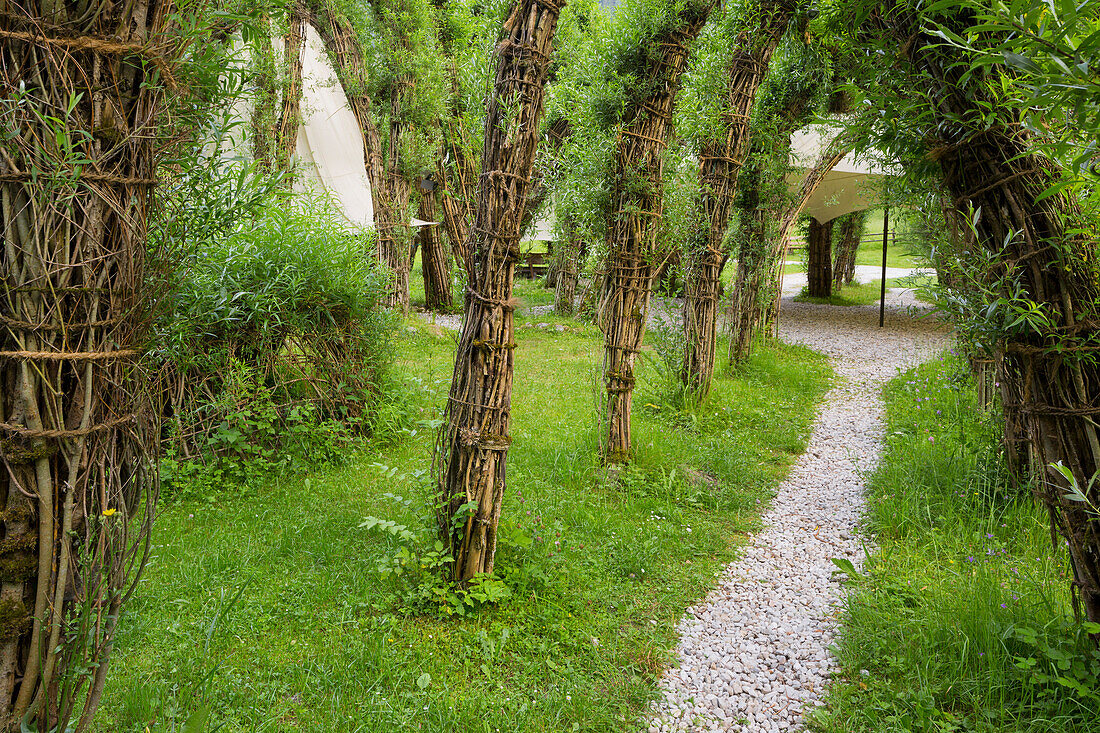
<point x="109" y="512"/>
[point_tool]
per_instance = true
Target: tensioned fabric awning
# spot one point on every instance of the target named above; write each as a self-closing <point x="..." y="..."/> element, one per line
<point x="852" y="185"/>
<point x="330" y="144"/>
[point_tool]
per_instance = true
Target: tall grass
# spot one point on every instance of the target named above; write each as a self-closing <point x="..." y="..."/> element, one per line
<point x="962" y="622"/>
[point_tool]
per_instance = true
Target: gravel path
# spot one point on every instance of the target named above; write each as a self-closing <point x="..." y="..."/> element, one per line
<point x="754" y="653"/>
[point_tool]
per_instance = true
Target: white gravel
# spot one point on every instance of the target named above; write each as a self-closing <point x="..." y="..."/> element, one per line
<point x="755" y="653"/>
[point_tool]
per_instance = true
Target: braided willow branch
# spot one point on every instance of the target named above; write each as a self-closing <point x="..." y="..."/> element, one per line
<point x="81" y="104"/>
<point x="473" y="444"/>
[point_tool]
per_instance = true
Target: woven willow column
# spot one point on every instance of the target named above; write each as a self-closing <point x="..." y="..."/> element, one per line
<point x="996" y="182"/>
<point x="847" y="246"/>
<point x="82" y="89"/>
<point x="720" y="162"/>
<point x="435" y="261"/>
<point x="636" y="204"/>
<point x="819" y="259"/>
<point x="473" y="445"/>
<point x="390" y="190"/>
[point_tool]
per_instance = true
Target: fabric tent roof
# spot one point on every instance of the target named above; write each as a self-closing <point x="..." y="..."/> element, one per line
<point x="330" y="143"/>
<point x="853" y="185"/>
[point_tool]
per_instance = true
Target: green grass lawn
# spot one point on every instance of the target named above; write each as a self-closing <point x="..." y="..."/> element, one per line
<point x="963" y="621"/>
<point x="854" y="294"/>
<point x="264" y="602"/>
<point x="867" y="293"/>
<point x="897" y="254"/>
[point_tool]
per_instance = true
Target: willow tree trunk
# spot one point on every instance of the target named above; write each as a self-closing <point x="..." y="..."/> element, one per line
<point x="840" y="146"/>
<point x="748" y="299"/>
<point x="457" y="181"/>
<point x="264" y="122"/>
<point x="394" y="236"/>
<point x="473" y="445"/>
<point x="849" y="237"/>
<point x="991" y="169"/>
<point x="719" y="164"/>
<point x="390" y="215"/>
<point x="757" y="258"/>
<point x="435" y="263"/>
<point x="567" y="259"/>
<point x="636" y="205"/>
<point x="1057" y="378"/>
<point x="819" y="259"/>
<point x="290" y="115"/>
<point x="77" y="477"/>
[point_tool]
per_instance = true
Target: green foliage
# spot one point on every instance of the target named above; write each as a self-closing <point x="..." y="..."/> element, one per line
<point x="705" y="91"/>
<point x="1045" y="57"/>
<point x="270" y="337"/>
<point x="603" y="77"/>
<point x="961" y="622"/>
<point x="666" y="361"/>
<point x="405" y="79"/>
<point x="296" y="268"/>
<point x="632" y="51"/>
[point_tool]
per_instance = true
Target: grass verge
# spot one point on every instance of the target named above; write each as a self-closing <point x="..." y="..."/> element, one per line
<point x="962" y="621"/>
<point x="265" y="605"/>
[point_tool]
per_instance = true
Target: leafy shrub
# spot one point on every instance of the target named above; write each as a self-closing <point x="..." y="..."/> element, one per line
<point x="271" y="340"/>
<point x="666" y="390"/>
<point x="416" y="562"/>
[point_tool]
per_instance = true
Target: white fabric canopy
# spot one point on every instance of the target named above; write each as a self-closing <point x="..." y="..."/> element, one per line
<point x="853" y="185"/>
<point x="330" y="143"/>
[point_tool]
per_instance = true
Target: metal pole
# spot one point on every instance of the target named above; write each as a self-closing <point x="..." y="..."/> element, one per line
<point x="882" y="294"/>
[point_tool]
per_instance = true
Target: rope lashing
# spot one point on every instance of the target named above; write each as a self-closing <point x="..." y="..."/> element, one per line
<point x="97" y="46"/>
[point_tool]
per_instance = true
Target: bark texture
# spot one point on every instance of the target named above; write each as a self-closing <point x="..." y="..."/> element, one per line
<point x="720" y="162"/>
<point x="458" y="187"/>
<point x="757" y="259"/>
<point x="290" y="114"/>
<point x="636" y="205"/>
<point x="819" y="259"/>
<point x="840" y="146"/>
<point x="753" y="269"/>
<point x="77" y="437"/>
<point x="395" y="235"/>
<point x="435" y="262"/>
<point x="473" y="445"/>
<point x="567" y="263"/>
<point x="849" y="236"/>
<point x="390" y="190"/>
<point x="264" y="120"/>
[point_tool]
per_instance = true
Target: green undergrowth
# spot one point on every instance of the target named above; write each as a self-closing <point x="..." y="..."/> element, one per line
<point x="268" y="608"/>
<point x="963" y="621"/>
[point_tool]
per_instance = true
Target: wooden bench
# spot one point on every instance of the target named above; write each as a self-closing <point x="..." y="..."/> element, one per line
<point x="533" y="265"/>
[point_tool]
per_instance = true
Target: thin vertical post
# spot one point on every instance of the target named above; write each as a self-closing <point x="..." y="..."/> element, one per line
<point x="882" y="293"/>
